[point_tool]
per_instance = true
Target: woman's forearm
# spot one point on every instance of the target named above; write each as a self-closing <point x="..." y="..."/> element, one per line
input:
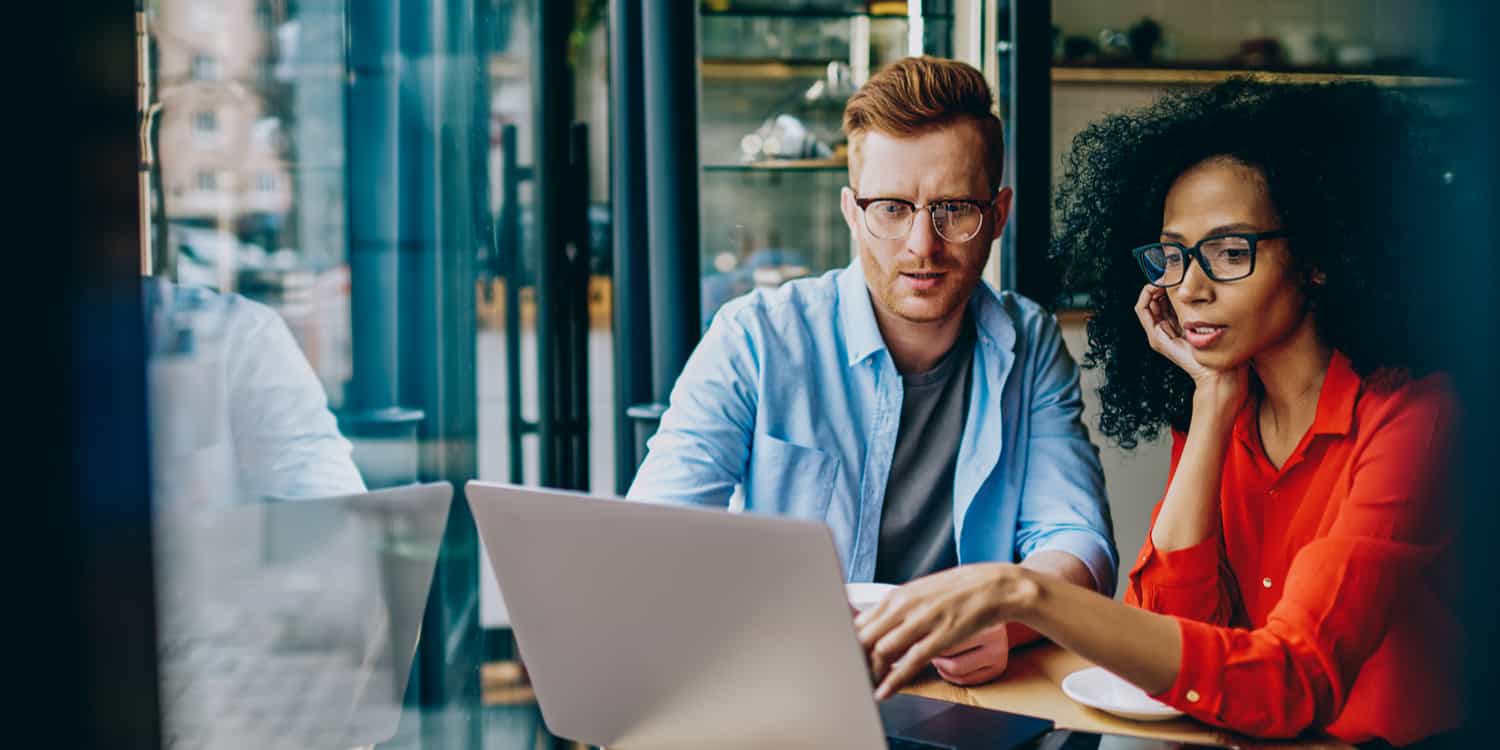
<point x="1190" y="511"/>
<point x="1143" y="647"/>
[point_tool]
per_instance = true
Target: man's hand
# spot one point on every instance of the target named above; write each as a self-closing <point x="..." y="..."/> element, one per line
<point x="978" y="660"/>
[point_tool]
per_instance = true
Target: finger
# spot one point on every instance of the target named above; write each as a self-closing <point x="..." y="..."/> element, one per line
<point x="874" y="629"/>
<point x="892" y="647"/>
<point x="1147" y="320"/>
<point x="871" y="613"/>
<point x="1169" y="314"/>
<point x="1147" y="292"/>
<point x="907" y="668"/>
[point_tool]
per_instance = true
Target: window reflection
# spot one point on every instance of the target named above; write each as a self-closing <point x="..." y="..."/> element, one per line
<point x="293" y="624"/>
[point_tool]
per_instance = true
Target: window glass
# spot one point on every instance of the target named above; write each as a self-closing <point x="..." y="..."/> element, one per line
<point x="328" y="364"/>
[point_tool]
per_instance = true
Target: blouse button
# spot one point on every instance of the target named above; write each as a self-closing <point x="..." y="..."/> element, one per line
<point x="1192" y="696"/>
<point x="1265" y="582"/>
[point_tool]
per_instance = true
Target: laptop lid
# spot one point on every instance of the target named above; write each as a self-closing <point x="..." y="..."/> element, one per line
<point x="293" y="623"/>
<point x="645" y="626"/>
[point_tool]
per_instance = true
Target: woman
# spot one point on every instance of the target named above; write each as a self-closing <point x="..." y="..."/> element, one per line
<point x="1299" y="573"/>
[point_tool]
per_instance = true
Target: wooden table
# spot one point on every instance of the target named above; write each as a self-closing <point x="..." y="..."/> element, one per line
<point x="1032" y="686"/>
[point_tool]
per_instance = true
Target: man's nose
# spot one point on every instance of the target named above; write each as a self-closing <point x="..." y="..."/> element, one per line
<point x="922" y="241"/>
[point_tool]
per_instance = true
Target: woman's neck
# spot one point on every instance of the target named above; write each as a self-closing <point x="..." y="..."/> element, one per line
<point x="1291" y="377"/>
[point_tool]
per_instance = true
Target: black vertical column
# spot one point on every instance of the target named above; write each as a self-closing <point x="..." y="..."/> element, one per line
<point x="81" y="620"/>
<point x="574" y="294"/>
<point x="1031" y="124"/>
<point x="671" y="87"/>
<point x="552" y="112"/>
<point x="632" y="313"/>
<point x="561" y="209"/>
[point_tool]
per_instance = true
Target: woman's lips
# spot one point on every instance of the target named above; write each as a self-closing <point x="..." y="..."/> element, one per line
<point x="1202" y="335"/>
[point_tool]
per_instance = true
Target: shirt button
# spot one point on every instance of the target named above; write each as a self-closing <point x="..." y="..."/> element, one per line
<point x="1192" y="696"/>
<point x="1265" y="582"/>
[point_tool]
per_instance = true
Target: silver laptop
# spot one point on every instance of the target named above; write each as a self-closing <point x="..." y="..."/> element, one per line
<point x="292" y="624"/>
<point x="658" y="628"/>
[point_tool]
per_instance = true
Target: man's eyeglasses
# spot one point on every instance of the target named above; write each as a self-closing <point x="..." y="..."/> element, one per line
<point x="1223" y="257"/>
<point x="955" y="220"/>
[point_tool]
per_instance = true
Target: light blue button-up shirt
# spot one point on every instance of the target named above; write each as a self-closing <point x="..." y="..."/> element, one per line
<point x="792" y="396"/>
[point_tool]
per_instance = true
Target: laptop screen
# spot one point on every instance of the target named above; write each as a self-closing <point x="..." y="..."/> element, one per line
<point x="293" y="623"/>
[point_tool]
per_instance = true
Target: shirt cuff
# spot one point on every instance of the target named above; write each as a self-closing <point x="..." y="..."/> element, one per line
<point x="1198" y="691"/>
<point x="1090" y="549"/>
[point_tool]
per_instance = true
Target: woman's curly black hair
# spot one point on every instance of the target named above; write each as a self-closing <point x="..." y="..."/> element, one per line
<point x="1349" y="166"/>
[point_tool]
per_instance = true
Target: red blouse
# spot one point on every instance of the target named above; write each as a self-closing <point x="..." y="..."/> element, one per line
<point x="1330" y="598"/>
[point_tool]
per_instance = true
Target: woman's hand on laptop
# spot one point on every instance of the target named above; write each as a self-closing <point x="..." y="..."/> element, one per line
<point x="938" y="618"/>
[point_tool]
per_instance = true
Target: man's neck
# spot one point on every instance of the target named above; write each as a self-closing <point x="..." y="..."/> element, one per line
<point x="917" y="347"/>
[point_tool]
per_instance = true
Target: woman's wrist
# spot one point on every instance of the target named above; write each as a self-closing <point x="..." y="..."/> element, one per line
<point x="1218" y="397"/>
<point x="1019" y="592"/>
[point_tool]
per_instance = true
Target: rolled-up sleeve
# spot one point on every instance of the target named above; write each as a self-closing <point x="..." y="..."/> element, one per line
<point x="1063" y="505"/>
<point x="1191" y="582"/>
<point x="699" y="453"/>
<point x="1341" y="591"/>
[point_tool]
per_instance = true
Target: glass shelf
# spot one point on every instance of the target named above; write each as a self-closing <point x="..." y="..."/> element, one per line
<point x="723" y="69"/>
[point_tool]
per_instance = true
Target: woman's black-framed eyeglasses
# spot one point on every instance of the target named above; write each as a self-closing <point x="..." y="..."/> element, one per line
<point x="954" y="219"/>
<point x="1223" y="257"/>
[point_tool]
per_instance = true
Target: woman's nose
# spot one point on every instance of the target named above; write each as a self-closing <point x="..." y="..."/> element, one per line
<point x="1196" y="286"/>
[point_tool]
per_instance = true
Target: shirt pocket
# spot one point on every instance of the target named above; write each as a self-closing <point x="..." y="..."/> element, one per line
<point x="789" y="479"/>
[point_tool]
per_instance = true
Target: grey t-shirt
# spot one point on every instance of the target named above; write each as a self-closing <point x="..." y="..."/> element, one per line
<point x="916" y="523"/>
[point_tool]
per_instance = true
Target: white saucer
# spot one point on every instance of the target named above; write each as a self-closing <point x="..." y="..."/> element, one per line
<point x="862" y="596"/>
<point x="1099" y="688"/>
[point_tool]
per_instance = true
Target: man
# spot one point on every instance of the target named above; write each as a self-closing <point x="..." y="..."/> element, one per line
<point x="927" y="419"/>
<point x="237" y="413"/>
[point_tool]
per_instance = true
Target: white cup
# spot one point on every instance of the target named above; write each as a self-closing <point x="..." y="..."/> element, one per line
<point x="862" y="596"/>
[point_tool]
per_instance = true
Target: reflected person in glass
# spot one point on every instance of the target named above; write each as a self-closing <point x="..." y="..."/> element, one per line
<point x="237" y="413"/>
<point x="926" y="418"/>
<point x="1300" y="570"/>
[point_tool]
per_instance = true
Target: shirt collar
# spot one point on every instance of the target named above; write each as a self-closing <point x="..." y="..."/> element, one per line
<point x="1336" y="401"/>
<point x="862" y="334"/>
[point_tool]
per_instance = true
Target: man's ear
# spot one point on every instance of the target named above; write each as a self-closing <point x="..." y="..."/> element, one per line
<point x="1002" y="211"/>
<point x="850" y="209"/>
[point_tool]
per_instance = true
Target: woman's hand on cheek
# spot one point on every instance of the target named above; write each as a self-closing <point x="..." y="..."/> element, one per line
<point x="1163" y="331"/>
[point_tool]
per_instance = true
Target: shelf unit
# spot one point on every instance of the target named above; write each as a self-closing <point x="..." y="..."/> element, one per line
<point x="1185" y="76"/>
<point x="759" y="63"/>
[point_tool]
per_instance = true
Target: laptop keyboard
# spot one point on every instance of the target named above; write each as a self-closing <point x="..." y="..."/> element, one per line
<point x="903" y="743"/>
